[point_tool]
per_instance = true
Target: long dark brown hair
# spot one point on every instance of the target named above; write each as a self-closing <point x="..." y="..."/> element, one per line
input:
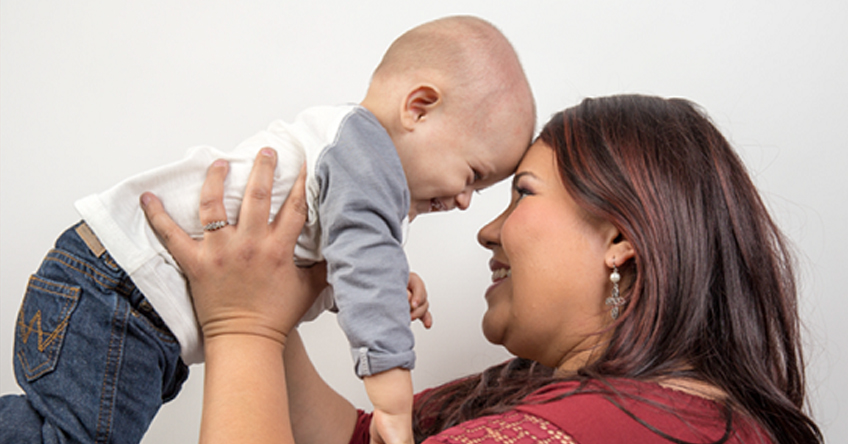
<point x="711" y="291"/>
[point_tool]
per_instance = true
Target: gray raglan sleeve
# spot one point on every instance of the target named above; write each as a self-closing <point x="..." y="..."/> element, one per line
<point x="363" y="201"/>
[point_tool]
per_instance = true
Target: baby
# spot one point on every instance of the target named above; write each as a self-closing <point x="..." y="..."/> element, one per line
<point x="448" y="111"/>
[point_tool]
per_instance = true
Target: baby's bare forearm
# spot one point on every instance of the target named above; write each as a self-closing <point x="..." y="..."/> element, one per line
<point x="390" y="391"/>
<point x="391" y="394"/>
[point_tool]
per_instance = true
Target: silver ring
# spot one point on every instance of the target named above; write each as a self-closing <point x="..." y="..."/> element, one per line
<point x="217" y="225"/>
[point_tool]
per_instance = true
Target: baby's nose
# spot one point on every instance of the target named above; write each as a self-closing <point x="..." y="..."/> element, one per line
<point x="463" y="200"/>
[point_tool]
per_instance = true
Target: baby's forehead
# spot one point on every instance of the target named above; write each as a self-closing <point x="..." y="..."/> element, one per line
<point x="501" y="159"/>
<point x="509" y="138"/>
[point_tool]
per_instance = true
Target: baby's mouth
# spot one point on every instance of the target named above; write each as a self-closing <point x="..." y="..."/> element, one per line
<point x="437" y="205"/>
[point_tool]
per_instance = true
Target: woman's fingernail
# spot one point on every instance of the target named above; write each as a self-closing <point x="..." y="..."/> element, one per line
<point x="219" y="162"/>
<point x="267" y="152"/>
<point x="145" y="199"/>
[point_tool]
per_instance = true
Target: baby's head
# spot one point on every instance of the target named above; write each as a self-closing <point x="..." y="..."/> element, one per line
<point x="452" y="95"/>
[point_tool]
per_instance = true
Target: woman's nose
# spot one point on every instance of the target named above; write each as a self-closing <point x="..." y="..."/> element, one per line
<point x="490" y="235"/>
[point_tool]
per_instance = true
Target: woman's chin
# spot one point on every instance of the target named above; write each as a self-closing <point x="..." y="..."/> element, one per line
<point x="492" y="333"/>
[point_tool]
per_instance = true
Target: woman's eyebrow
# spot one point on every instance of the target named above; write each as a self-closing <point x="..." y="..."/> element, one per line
<point x="518" y="177"/>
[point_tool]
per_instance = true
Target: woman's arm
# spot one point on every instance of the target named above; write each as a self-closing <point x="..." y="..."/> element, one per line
<point x="318" y="413"/>
<point x="248" y="295"/>
<point x="244" y="393"/>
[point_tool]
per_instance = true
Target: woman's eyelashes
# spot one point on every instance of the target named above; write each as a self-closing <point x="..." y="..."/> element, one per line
<point x="520" y="186"/>
<point x="522" y="192"/>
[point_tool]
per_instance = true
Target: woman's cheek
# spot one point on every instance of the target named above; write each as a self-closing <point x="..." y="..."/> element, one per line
<point x="513" y="234"/>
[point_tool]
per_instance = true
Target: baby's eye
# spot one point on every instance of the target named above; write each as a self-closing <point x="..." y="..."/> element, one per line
<point x="477" y="176"/>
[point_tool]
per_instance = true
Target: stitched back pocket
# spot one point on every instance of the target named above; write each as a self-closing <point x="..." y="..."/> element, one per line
<point x="42" y="323"/>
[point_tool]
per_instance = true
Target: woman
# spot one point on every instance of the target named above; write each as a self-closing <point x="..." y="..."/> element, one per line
<point x="637" y="276"/>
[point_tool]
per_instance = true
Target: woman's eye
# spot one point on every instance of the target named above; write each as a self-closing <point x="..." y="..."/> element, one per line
<point x="521" y="187"/>
<point x="522" y="192"/>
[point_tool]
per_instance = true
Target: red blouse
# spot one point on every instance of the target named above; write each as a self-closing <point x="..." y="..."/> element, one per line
<point x="626" y="411"/>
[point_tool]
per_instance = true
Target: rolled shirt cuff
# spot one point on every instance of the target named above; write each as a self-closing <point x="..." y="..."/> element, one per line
<point x="367" y="362"/>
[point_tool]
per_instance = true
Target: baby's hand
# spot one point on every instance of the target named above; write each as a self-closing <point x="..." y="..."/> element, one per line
<point x="419" y="306"/>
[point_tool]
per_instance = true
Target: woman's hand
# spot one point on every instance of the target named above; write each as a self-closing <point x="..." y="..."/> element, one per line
<point x="248" y="295"/>
<point x="242" y="278"/>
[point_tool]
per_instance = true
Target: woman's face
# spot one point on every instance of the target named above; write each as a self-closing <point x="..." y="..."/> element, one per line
<point x="549" y="269"/>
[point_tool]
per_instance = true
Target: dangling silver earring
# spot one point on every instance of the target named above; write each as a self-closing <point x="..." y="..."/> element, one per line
<point x="615" y="300"/>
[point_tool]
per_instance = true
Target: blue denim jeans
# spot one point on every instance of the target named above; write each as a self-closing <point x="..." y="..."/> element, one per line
<point x="93" y="358"/>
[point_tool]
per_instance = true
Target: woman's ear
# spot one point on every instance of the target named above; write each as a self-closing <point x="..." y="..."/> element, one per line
<point x="619" y="249"/>
<point x="418" y="103"/>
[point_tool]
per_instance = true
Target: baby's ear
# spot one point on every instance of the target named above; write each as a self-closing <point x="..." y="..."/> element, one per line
<point x="419" y="103"/>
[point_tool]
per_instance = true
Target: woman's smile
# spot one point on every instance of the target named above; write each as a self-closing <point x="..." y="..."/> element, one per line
<point x="500" y="272"/>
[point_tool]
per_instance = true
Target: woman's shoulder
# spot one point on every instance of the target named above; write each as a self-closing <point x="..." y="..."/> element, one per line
<point x="601" y="412"/>
<point x="605" y="411"/>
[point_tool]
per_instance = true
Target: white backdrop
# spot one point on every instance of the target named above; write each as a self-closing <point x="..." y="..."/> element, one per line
<point x="94" y="91"/>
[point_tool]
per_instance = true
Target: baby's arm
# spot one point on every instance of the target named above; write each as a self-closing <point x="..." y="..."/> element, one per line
<point x="391" y="391"/>
<point x="362" y="209"/>
<point x="391" y="394"/>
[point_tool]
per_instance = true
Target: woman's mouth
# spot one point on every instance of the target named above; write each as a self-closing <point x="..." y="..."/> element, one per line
<point x="500" y="274"/>
<point x="500" y="271"/>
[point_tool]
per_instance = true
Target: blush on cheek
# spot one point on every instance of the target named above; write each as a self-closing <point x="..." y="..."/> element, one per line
<point x="527" y="236"/>
<point x="513" y="231"/>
